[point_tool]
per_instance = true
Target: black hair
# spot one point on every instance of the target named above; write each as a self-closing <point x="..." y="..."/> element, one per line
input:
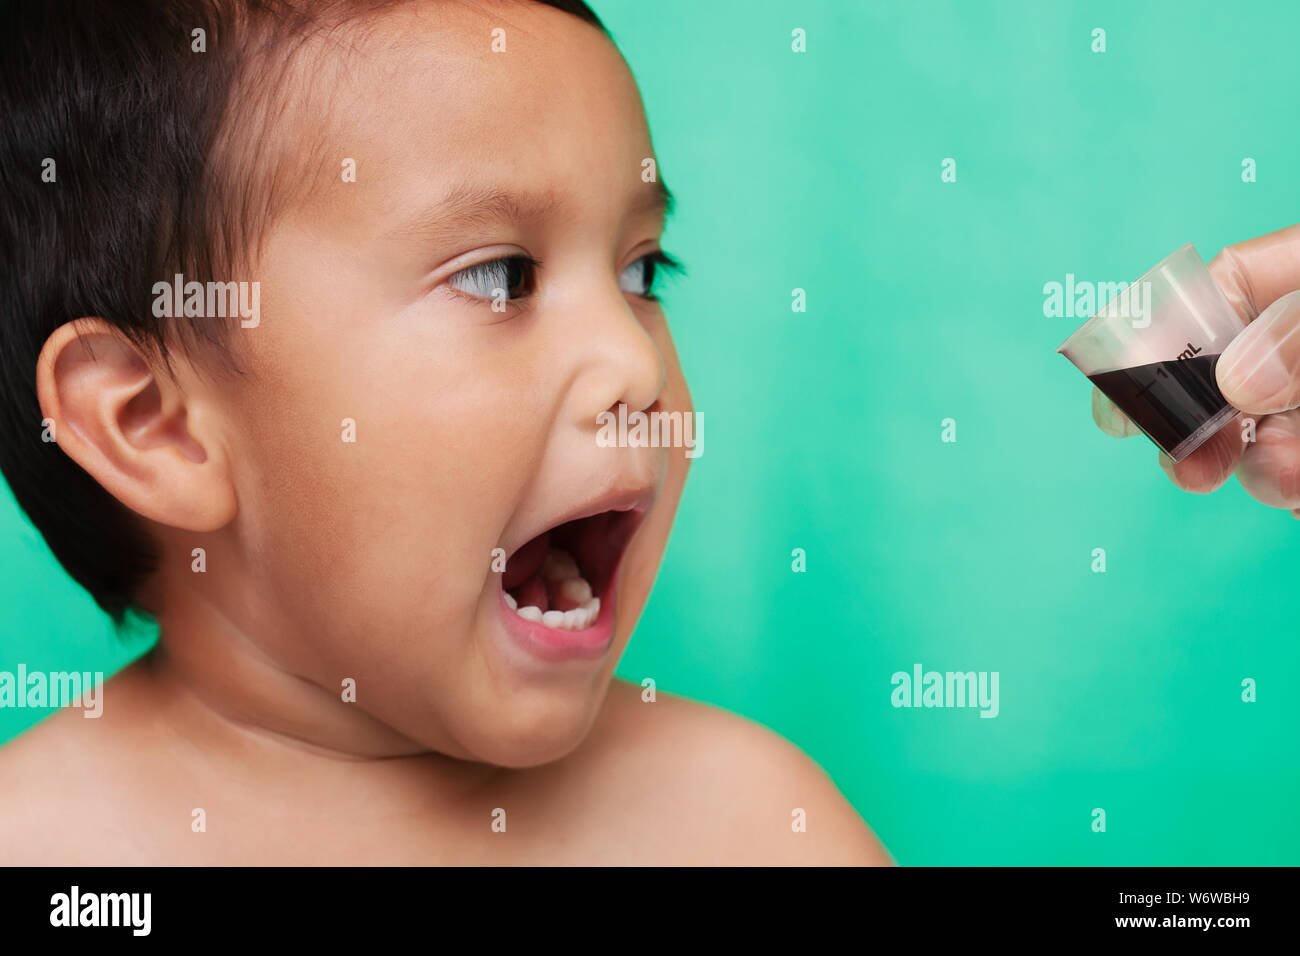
<point x="111" y="178"/>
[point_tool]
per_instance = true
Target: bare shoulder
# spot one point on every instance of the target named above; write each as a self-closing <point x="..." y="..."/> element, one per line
<point x="36" y="771"/>
<point x="59" y="783"/>
<point x="719" y="788"/>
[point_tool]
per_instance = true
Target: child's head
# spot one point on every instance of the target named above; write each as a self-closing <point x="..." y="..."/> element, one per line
<point x="444" y="209"/>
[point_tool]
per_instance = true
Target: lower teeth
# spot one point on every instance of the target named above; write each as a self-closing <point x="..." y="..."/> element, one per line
<point x="562" y="570"/>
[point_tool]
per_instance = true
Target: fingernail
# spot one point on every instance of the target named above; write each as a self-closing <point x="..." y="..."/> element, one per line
<point x="1255" y="377"/>
<point x="1251" y="372"/>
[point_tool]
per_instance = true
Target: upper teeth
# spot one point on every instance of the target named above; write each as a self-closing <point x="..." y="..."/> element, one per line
<point x="562" y="569"/>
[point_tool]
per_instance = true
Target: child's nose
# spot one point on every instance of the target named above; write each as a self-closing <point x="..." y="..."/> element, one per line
<point x="619" y="362"/>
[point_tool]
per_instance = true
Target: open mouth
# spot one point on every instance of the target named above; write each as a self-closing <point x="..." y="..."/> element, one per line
<point x="559" y="578"/>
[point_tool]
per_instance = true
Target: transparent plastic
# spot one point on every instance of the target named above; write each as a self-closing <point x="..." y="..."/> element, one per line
<point x="1152" y="350"/>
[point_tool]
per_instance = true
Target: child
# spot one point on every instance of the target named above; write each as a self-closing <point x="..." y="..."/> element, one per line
<point x="392" y="567"/>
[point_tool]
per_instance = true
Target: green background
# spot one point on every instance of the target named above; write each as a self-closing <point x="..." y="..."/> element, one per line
<point x="821" y="171"/>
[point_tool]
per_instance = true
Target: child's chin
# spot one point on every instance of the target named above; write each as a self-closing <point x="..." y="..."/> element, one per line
<point x="541" y="736"/>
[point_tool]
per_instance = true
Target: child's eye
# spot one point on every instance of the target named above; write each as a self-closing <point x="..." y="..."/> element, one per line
<point x="511" y="277"/>
<point x="639" y="277"/>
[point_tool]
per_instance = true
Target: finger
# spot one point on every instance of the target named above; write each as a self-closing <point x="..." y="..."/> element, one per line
<point x="1259" y="371"/>
<point x="1270" y="466"/>
<point x="1209" y="466"/>
<point x="1255" y="273"/>
<point x="1109" y="418"/>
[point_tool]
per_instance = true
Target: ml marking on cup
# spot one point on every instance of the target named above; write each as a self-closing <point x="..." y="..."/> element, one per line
<point x="1161" y="373"/>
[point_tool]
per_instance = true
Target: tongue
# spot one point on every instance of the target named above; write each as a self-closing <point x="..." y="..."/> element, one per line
<point x="568" y="594"/>
<point x="545" y="578"/>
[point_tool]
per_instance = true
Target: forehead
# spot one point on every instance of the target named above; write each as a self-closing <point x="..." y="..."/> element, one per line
<point x="429" y="96"/>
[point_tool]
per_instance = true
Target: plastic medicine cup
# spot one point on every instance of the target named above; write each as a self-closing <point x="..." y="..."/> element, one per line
<point x="1152" y="350"/>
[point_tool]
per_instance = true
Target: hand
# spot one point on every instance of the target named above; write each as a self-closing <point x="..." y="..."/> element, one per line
<point x="1258" y="373"/>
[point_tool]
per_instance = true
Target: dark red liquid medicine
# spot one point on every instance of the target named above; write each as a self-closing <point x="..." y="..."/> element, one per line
<point x="1167" y="400"/>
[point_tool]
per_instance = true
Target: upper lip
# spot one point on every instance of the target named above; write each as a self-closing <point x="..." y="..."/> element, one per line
<point x="618" y="497"/>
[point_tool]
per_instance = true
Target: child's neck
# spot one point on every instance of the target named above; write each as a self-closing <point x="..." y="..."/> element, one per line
<point x="216" y="675"/>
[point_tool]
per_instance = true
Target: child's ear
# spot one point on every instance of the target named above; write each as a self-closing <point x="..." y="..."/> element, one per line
<point x="134" y="431"/>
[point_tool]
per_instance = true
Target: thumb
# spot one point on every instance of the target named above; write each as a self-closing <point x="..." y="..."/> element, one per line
<point x="1259" y="371"/>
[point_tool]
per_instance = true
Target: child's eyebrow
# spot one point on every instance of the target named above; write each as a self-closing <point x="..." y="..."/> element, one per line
<point x="466" y="207"/>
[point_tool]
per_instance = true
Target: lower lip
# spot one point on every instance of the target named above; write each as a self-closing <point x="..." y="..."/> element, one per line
<point x="554" y="645"/>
